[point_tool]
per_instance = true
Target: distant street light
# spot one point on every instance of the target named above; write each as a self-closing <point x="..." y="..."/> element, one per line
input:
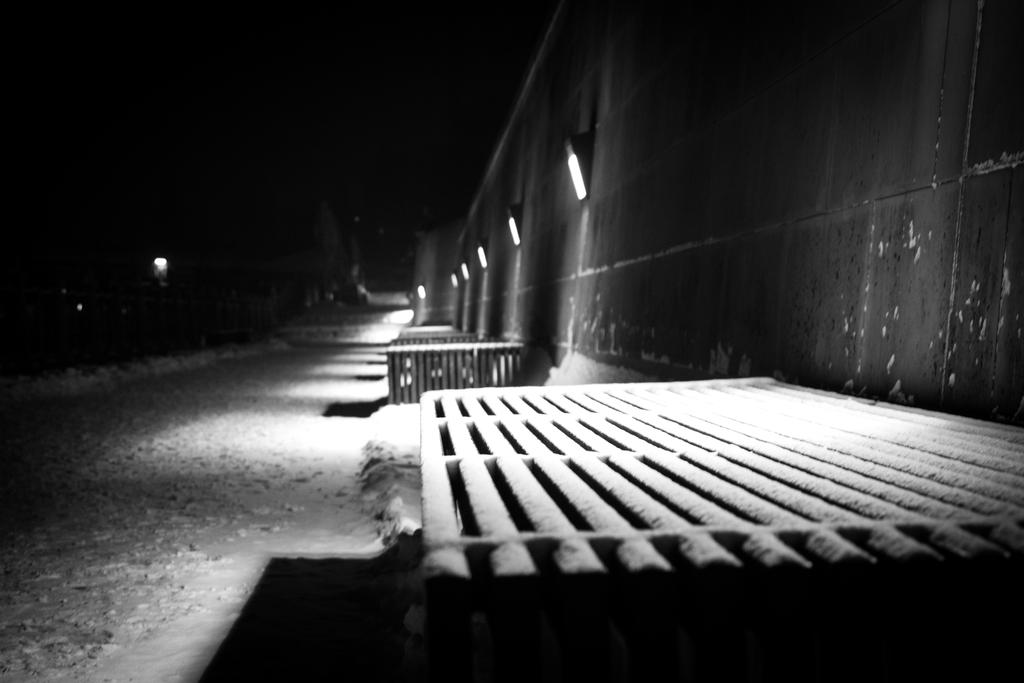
<point x="421" y="291"/>
<point x="482" y="255"/>
<point x="465" y="271"/>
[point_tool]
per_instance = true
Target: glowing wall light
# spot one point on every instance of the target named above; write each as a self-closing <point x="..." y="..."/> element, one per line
<point x="483" y="257"/>
<point x="160" y="269"/>
<point x="455" y="279"/>
<point x="465" y="271"/>
<point x="577" y="176"/>
<point x="421" y="291"/>
<point x="515" y="220"/>
<point x="579" y="150"/>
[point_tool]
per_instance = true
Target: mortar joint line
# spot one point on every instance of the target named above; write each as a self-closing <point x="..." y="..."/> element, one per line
<point x="958" y="223"/>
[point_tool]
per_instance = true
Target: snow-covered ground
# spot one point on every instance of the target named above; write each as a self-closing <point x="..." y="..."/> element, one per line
<point x="144" y="505"/>
<point x="140" y="504"/>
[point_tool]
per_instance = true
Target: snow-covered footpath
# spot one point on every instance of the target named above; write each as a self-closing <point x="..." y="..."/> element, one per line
<point x="139" y="505"/>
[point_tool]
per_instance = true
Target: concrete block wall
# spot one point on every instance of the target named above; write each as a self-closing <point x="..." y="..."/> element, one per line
<point x="830" y="192"/>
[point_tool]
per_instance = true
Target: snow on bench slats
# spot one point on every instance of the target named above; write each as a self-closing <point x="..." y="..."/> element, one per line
<point x="895" y="545"/>
<point x="591" y="507"/>
<point x="765" y="481"/>
<point x="584" y="404"/>
<point x="631" y="468"/>
<point x="489" y="511"/>
<point x="658" y="398"/>
<point x="633" y="498"/>
<point x="628" y="402"/>
<point x="637" y="555"/>
<point x="940" y="468"/>
<point x="536" y="405"/>
<point x="447" y="346"/>
<point x="575" y="556"/>
<point x="439" y="521"/>
<point x="937" y="435"/>
<point x="963" y="544"/>
<point x="591" y="440"/>
<point x="1009" y="536"/>
<point x="512" y="559"/>
<point x="612" y="401"/>
<point x="862" y="504"/>
<point x="660" y="441"/>
<point x="857" y="491"/>
<point x="767" y="550"/>
<point x="543" y="513"/>
<point x="450" y="407"/>
<point x="913" y="430"/>
<point x="701" y="550"/>
<point x="430" y="433"/>
<point x="496" y="405"/>
<point x="473" y="407"/>
<point x="628" y="441"/>
<point x="458" y="430"/>
<point x="959" y="423"/>
<point x="495" y="440"/>
<point x="829" y="546"/>
<point x="517" y="404"/>
<point x="913" y="482"/>
<point x="526" y="439"/>
<point x="561" y="405"/>
<point x="938" y="452"/>
<point x="698" y="508"/>
<point x="621" y="404"/>
<point x="447" y="562"/>
<point x="722" y="491"/>
<point x="556" y="436"/>
<point x="886" y="426"/>
<point x="740" y="449"/>
<point x="868" y="497"/>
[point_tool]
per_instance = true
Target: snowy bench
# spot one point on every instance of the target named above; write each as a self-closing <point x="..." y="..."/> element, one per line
<point x="414" y="368"/>
<point x="433" y="334"/>
<point x="720" y="530"/>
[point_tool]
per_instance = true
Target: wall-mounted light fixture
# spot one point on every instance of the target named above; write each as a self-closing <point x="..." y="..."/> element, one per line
<point x="515" y="220"/>
<point x="579" y="149"/>
<point x="455" y="279"/>
<point x="483" y="256"/>
<point x="160" y="269"/>
<point x="421" y="291"/>
<point x="465" y="271"/>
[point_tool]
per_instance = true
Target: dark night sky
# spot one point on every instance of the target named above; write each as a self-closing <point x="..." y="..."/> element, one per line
<point x="215" y="133"/>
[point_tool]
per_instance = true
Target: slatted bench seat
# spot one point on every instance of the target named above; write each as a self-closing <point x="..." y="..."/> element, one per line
<point x="720" y="530"/>
<point x="432" y="334"/>
<point x="449" y="364"/>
